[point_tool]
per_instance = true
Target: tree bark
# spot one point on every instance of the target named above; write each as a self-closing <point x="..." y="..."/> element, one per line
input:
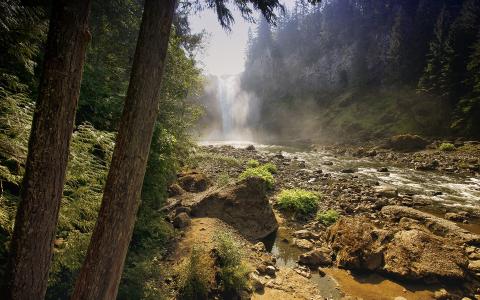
<point x="102" y="269"/>
<point x="37" y="214"/>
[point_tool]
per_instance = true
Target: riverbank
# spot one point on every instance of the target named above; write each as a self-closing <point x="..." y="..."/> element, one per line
<point x="393" y="246"/>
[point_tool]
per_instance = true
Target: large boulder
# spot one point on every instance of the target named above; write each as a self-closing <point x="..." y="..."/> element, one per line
<point x="244" y="206"/>
<point x="414" y="254"/>
<point x="358" y="244"/>
<point x="407" y="142"/>
<point x="316" y="257"/>
<point x="193" y="182"/>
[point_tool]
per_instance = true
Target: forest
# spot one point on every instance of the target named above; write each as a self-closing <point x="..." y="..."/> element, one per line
<point x="342" y="163"/>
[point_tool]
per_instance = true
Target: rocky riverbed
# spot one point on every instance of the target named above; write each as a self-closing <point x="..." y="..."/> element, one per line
<point x="409" y="218"/>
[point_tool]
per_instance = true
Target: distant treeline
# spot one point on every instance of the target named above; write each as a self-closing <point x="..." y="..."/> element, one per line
<point x="430" y="47"/>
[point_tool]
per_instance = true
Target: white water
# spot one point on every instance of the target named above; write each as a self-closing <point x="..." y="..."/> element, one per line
<point x="236" y="107"/>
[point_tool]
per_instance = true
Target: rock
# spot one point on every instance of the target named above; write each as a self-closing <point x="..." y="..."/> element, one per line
<point x="429" y="166"/>
<point x="436" y="225"/>
<point x="270" y="270"/>
<point x="259" y="247"/>
<point x="386" y="191"/>
<point x="305" y="234"/>
<point x="358" y="244"/>
<point x="327" y="163"/>
<point x="244" y="206"/>
<point x="316" y="257"/>
<point x="258" y="283"/>
<point x="250" y="148"/>
<point x="182" y="220"/>
<point x="382" y="169"/>
<point x="182" y="209"/>
<point x="407" y="143"/>
<point x="303" y="244"/>
<point x="415" y="254"/>
<point x="349" y="170"/>
<point x="454" y="217"/>
<point x="175" y="190"/>
<point x="305" y="272"/>
<point x="441" y="294"/>
<point x="474" y="266"/>
<point x="399" y="298"/>
<point x="321" y="272"/>
<point x="193" y="182"/>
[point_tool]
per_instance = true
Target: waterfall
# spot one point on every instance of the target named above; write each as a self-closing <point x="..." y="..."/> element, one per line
<point x="235" y="108"/>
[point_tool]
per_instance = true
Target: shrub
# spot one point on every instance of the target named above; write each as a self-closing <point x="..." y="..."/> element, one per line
<point x="233" y="271"/>
<point x="299" y="201"/>
<point x="328" y="217"/>
<point x="223" y="179"/>
<point x="446" y="147"/>
<point x="260" y="172"/>
<point x="196" y="275"/>
<point x="270" y="168"/>
<point x="252" y="163"/>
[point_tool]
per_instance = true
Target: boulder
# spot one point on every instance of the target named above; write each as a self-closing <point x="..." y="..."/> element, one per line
<point x="305" y="234"/>
<point x="474" y="266"/>
<point x="182" y="220"/>
<point x="303" y="244"/>
<point x="193" y="182"/>
<point x="415" y="254"/>
<point x="175" y="190"/>
<point x="382" y="169"/>
<point x="244" y="206"/>
<point x="387" y="191"/>
<point x="407" y="143"/>
<point x="250" y="148"/>
<point x="316" y="257"/>
<point x="436" y="225"/>
<point x="349" y="170"/>
<point x="359" y="245"/>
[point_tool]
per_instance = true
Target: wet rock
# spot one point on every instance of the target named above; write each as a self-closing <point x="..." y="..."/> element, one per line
<point x="429" y="166"/>
<point x="387" y="191"/>
<point x="383" y="169"/>
<point x="415" y="254"/>
<point x="441" y="294"/>
<point x="175" y="190"/>
<point x="321" y="272"/>
<point x="349" y="170"/>
<point x="436" y="225"/>
<point x="250" y="148"/>
<point x="193" y="182"/>
<point x="316" y="257"/>
<point x="259" y="247"/>
<point x="303" y="244"/>
<point x="270" y="270"/>
<point x="305" y="234"/>
<point x="327" y="163"/>
<point x="407" y="142"/>
<point x="182" y="220"/>
<point x="257" y="282"/>
<point x="182" y="209"/>
<point x="244" y="206"/>
<point x="454" y="217"/>
<point x="303" y="271"/>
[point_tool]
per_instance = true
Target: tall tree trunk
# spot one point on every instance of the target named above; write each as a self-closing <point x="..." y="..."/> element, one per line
<point x="101" y="272"/>
<point x="59" y="89"/>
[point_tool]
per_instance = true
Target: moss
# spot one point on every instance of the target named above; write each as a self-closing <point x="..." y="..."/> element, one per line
<point x="446" y="147"/>
<point x="299" y="201"/>
<point x="252" y="163"/>
<point x="196" y="275"/>
<point x="328" y="217"/>
<point x="260" y="172"/>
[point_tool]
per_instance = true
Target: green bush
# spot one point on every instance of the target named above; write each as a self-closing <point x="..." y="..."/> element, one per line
<point x="196" y="275"/>
<point x="328" y="217"/>
<point x="252" y="163"/>
<point x="446" y="147"/>
<point x="259" y="172"/>
<point x="299" y="201"/>
<point x="270" y="168"/>
<point x="233" y="271"/>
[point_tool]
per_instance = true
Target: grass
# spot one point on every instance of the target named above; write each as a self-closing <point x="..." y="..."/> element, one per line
<point x="223" y="179"/>
<point x="328" y="217"/>
<point x="447" y="147"/>
<point x="196" y="275"/>
<point x="252" y="163"/>
<point x="259" y="172"/>
<point x="233" y="271"/>
<point x="225" y="160"/>
<point x="299" y="201"/>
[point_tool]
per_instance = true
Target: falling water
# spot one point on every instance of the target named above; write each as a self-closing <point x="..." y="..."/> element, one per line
<point x="235" y="107"/>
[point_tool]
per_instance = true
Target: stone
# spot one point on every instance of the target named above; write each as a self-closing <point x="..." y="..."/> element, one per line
<point x="415" y="254"/>
<point x="382" y="169"/>
<point x="349" y="170"/>
<point x="327" y="163"/>
<point x="182" y="209"/>
<point x="407" y="143"/>
<point x="182" y="220"/>
<point x="454" y="217"/>
<point x="270" y="270"/>
<point x="259" y="247"/>
<point x="250" y="148"/>
<point x="175" y="190"/>
<point x="193" y="182"/>
<point x="243" y="206"/>
<point x="387" y="191"/>
<point x="257" y="282"/>
<point x="316" y="257"/>
<point x="474" y="266"/>
<point x="303" y="244"/>
<point x="305" y="234"/>
<point x="441" y="294"/>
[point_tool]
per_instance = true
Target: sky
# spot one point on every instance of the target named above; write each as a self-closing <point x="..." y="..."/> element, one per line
<point x="224" y="52"/>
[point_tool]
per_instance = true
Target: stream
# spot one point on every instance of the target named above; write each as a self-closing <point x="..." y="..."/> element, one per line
<point x="446" y="192"/>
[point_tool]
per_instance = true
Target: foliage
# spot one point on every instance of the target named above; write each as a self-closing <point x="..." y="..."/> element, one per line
<point x="252" y="163"/>
<point x="224" y="160"/>
<point x="301" y="202"/>
<point x="196" y="275"/>
<point x="223" y="179"/>
<point x="259" y="172"/>
<point x="270" y="167"/>
<point x="233" y="272"/>
<point x="327" y="217"/>
<point x="446" y="147"/>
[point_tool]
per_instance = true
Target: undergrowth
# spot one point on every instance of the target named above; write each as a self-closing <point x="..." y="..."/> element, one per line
<point x="298" y="201"/>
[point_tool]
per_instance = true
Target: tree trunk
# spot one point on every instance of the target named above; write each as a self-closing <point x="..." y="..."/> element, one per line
<point x="59" y="89"/>
<point x="101" y="272"/>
